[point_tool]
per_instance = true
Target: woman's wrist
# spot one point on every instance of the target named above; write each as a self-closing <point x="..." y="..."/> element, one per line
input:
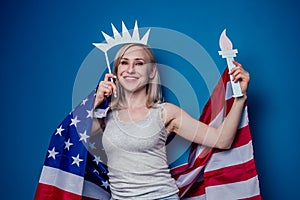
<point x="241" y="99"/>
<point x="98" y="101"/>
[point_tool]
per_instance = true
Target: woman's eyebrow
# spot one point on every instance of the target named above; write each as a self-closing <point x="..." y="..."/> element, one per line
<point x="124" y="58"/>
<point x="140" y="59"/>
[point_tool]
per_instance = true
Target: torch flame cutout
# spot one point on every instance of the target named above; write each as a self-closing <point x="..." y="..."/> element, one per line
<point x="225" y="43"/>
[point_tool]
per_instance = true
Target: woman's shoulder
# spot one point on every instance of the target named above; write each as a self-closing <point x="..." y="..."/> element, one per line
<point x="170" y="107"/>
<point x="165" y="105"/>
<point x="169" y="111"/>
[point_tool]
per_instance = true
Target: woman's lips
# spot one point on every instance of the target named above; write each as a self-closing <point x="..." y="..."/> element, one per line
<point x="130" y="77"/>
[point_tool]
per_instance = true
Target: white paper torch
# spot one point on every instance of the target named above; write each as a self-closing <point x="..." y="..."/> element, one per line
<point x="229" y="53"/>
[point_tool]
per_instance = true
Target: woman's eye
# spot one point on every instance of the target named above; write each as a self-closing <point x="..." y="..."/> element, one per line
<point x="139" y="63"/>
<point x="124" y="62"/>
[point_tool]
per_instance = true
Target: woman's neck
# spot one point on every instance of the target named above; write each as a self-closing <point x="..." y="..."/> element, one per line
<point x="136" y="99"/>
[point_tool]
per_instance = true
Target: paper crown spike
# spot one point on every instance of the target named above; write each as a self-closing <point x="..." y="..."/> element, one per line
<point x="144" y="40"/>
<point x="107" y="37"/>
<point x="126" y="37"/>
<point x="125" y="32"/>
<point x="135" y="35"/>
<point x="116" y="33"/>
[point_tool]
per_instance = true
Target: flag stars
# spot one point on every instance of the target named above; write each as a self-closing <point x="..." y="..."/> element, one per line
<point x="52" y="153"/>
<point x="92" y="145"/>
<point x="83" y="136"/>
<point x="84" y="101"/>
<point x="74" y="122"/>
<point x="68" y="144"/>
<point x="96" y="172"/>
<point x="90" y="113"/>
<point x="59" y="130"/>
<point x="76" y="160"/>
<point x="105" y="184"/>
<point x="97" y="159"/>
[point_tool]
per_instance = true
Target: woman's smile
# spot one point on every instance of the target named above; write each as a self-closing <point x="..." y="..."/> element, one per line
<point x="130" y="78"/>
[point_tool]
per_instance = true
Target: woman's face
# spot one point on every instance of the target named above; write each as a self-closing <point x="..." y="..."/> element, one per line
<point x="134" y="69"/>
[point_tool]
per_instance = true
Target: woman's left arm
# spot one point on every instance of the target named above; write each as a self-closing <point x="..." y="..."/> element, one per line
<point x="231" y="122"/>
<point x="180" y="122"/>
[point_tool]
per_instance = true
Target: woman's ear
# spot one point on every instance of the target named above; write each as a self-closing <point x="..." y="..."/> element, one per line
<point x="152" y="72"/>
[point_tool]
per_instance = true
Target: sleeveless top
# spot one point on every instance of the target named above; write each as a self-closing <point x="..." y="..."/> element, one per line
<point x="136" y="154"/>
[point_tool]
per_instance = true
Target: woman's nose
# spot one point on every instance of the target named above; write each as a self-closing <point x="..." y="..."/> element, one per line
<point x="130" y="68"/>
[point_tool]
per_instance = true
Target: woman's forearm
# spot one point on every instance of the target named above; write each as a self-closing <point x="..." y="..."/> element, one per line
<point x="228" y="128"/>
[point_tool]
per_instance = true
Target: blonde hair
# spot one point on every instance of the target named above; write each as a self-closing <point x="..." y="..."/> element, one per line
<point x="153" y="88"/>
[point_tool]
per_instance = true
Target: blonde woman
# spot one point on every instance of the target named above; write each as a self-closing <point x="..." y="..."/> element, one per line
<point x="138" y="124"/>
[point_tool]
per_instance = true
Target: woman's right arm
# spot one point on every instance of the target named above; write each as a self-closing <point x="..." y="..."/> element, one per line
<point x="105" y="89"/>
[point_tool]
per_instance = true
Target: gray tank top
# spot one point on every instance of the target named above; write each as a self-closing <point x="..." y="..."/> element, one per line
<point x="136" y="153"/>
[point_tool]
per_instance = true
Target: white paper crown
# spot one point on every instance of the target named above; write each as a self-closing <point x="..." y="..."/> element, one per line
<point x="125" y="38"/>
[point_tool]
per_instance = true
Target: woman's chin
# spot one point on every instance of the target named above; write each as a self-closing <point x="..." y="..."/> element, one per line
<point x="133" y="89"/>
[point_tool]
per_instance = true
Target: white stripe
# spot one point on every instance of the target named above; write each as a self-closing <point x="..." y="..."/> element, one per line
<point x="186" y="179"/>
<point x="231" y="157"/>
<point x="228" y="93"/>
<point x="244" y="118"/>
<point x="217" y="121"/>
<point x="61" y="179"/>
<point x="201" y="197"/>
<point x="94" y="191"/>
<point x="197" y="153"/>
<point x="238" y="190"/>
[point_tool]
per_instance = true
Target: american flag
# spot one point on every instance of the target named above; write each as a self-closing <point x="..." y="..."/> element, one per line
<point x="211" y="174"/>
<point x="74" y="166"/>
<point x="71" y="170"/>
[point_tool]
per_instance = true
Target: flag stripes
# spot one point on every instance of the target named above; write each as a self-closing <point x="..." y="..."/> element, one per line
<point x="220" y="174"/>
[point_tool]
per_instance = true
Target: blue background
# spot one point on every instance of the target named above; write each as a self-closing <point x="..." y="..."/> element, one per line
<point x="43" y="44"/>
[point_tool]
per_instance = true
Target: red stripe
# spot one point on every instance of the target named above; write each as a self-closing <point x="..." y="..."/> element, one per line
<point x="88" y="198"/>
<point x="231" y="174"/>
<point x="214" y="105"/>
<point x="228" y="105"/>
<point x="183" y="190"/>
<point x="242" y="138"/>
<point x="197" y="189"/>
<point x="176" y="170"/>
<point x="187" y="167"/>
<point x="216" y="102"/>
<point x="201" y="160"/>
<point x="47" y="192"/>
<point x="257" y="197"/>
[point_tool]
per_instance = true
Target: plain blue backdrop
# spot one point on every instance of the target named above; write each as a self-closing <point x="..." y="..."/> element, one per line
<point x="43" y="44"/>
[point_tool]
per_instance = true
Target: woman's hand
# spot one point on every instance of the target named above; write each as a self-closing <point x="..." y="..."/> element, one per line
<point x="241" y="75"/>
<point x="105" y="89"/>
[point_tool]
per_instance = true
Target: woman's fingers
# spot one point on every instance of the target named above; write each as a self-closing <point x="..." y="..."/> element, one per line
<point x="108" y="77"/>
<point x="240" y="74"/>
<point x="105" y="89"/>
